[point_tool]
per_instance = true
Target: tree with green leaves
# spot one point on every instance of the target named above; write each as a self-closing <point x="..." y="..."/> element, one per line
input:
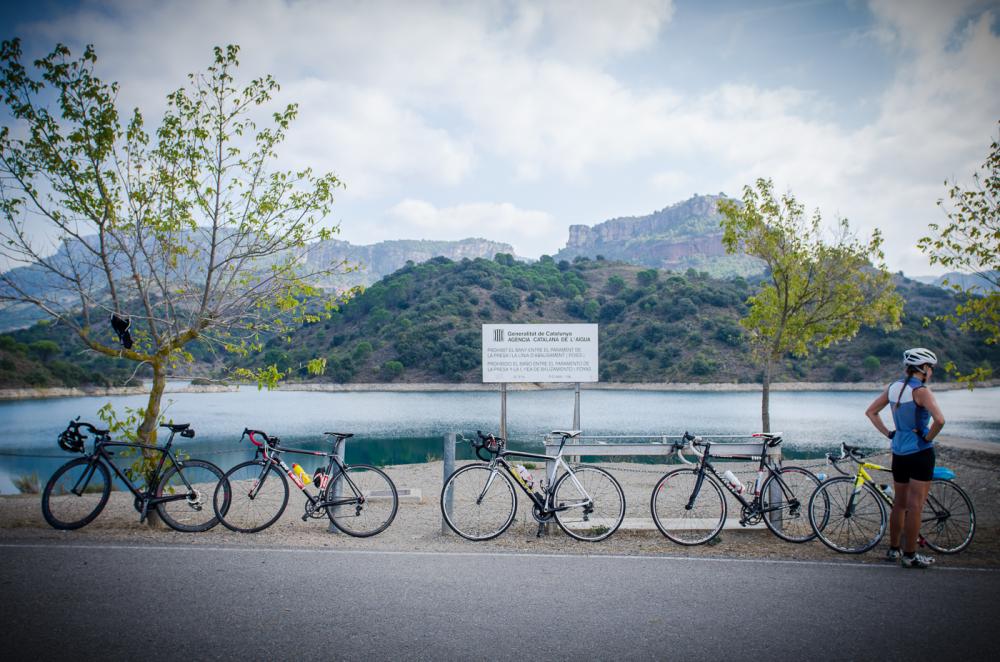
<point x="816" y="292"/>
<point x="970" y="242"/>
<point x="187" y="234"/>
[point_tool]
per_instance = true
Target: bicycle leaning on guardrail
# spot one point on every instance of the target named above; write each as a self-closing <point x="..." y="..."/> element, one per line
<point x="478" y="500"/>
<point x="856" y="513"/>
<point x="360" y="500"/>
<point x="180" y="493"/>
<point x="689" y="507"/>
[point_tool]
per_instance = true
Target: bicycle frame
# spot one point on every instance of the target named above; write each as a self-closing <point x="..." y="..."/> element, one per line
<point x="272" y="457"/>
<point x="543" y="501"/>
<point x="100" y="454"/>
<point x="755" y="504"/>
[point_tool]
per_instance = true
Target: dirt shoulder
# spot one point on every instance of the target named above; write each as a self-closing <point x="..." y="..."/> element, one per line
<point x="418" y="525"/>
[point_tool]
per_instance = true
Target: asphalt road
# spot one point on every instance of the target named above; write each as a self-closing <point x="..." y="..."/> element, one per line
<point x="70" y="601"/>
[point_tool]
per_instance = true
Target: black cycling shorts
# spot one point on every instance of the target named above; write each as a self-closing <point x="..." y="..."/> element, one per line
<point x="916" y="466"/>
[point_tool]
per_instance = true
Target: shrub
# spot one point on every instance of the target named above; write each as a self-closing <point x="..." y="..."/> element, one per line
<point x="507" y="298"/>
<point x="391" y="370"/>
<point x="871" y="363"/>
<point x="647" y="277"/>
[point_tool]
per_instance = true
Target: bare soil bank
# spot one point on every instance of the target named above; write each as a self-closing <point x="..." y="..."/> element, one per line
<point x="872" y="387"/>
<point x="418" y="525"/>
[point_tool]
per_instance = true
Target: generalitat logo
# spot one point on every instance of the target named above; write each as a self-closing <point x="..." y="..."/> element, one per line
<point x="497" y="335"/>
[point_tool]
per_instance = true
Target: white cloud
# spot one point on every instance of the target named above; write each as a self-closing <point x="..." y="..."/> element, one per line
<point x="525" y="229"/>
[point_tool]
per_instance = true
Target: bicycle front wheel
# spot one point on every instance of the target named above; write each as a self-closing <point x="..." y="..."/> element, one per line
<point x="590" y="503"/>
<point x="190" y="509"/>
<point x="258" y="494"/>
<point x="361" y="501"/>
<point x="948" y="521"/>
<point x="76" y="493"/>
<point x="784" y="498"/>
<point x="477" y="502"/>
<point x="854" y="522"/>
<point x="682" y="516"/>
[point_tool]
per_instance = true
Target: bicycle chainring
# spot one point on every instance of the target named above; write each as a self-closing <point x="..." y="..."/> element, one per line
<point x="751" y="516"/>
<point x="541" y="518"/>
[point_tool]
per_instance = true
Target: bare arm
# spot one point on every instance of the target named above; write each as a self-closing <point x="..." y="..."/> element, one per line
<point x="877" y="405"/>
<point x="926" y="399"/>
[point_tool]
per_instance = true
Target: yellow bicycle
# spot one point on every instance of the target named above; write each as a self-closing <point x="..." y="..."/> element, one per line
<point x="850" y="513"/>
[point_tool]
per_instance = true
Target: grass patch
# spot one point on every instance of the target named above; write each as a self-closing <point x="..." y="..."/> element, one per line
<point x="28" y="484"/>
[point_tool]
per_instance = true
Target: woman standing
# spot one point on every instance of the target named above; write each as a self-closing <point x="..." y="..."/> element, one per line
<point x="912" y="407"/>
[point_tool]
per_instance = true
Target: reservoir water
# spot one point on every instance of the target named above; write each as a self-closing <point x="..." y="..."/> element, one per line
<point x="398" y="428"/>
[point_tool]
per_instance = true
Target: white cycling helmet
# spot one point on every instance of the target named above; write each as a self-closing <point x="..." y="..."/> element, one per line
<point x="919" y="356"/>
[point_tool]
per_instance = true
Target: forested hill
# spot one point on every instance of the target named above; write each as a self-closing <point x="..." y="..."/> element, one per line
<point x="423" y="324"/>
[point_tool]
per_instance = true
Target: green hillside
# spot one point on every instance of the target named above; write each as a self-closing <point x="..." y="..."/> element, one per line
<point x="422" y="324"/>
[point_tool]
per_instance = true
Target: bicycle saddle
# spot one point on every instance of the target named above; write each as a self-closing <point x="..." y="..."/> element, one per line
<point x="342" y="435"/>
<point x="569" y="434"/>
<point x="176" y="427"/>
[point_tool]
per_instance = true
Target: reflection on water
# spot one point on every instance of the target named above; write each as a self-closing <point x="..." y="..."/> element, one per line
<point x="400" y="428"/>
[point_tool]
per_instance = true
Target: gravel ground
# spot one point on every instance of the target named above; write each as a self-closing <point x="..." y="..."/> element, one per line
<point x="417" y="526"/>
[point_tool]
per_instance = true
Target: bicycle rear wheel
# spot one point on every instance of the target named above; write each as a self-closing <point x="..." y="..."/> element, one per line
<point x="194" y="512"/>
<point x="948" y="521"/>
<point x="65" y="508"/>
<point x="258" y="494"/>
<point x="366" y="501"/>
<point x="788" y="492"/>
<point x="854" y="522"/>
<point x="478" y="503"/>
<point x="683" y="519"/>
<point x="595" y="502"/>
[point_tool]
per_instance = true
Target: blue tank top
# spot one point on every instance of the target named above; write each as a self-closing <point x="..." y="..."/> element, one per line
<point x="910" y="418"/>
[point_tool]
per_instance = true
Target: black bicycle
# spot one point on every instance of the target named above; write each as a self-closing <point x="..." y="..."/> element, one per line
<point x="179" y="491"/>
<point x="478" y="501"/>
<point x="689" y="507"/>
<point x="359" y="499"/>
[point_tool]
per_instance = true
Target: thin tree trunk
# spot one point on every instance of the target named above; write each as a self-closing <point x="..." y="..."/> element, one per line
<point x="147" y="434"/>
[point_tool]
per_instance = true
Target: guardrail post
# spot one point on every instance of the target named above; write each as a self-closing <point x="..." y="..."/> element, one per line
<point x="774" y="498"/>
<point x="449" y="467"/>
<point x="338" y="488"/>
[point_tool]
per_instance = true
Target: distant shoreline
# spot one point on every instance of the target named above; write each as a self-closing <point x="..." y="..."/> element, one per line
<point x="76" y="392"/>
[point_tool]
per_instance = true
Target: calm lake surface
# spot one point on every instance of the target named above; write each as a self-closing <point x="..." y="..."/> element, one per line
<point x="398" y="428"/>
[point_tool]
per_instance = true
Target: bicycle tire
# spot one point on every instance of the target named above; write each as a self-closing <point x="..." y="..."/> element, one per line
<point x="193" y="514"/>
<point x="791" y="522"/>
<point x="848" y="535"/>
<point x="600" y="520"/>
<point x="948" y="521"/>
<point x="462" y="490"/>
<point x="362" y="517"/>
<point x="682" y="525"/>
<point x="67" y="511"/>
<point x="246" y="514"/>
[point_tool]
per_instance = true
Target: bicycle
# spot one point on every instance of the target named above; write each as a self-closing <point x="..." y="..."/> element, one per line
<point x="79" y="490"/>
<point x="478" y="500"/>
<point x="689" y="507"/>
<point x="359" y="499"/>
<point x="858" y="516"/>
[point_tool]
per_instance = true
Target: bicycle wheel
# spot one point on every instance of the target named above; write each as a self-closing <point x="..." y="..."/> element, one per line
<point x="594" y="500"/>
<point x="948" y="521"/>
<point x="477" y="502"/>
<point x="258" y="494"/>
<point x="790" y="498"/>
<point x="849" y="533"/>
<point x="193" y="512"/>
<point x="681" y="520"/>
<point x="76" y="493"/>
<point x="366" y="501"/>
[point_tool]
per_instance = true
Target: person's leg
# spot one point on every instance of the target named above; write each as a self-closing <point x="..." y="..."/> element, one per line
<point x="917" y="494"/>
<point x="898" y="512"/>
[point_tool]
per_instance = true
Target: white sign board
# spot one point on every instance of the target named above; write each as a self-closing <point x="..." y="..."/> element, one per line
<point x="539" y="353"/>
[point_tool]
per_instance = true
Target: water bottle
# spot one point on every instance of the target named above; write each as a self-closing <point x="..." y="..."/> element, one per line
<point x="889" y="492"/>
<point x="301" y="473"/>
<point x="731" y="478"/>
<point x="821" y="476"/>
<point x="525" y="475"/>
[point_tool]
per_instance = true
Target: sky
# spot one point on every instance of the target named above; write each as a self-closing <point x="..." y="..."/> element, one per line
<point x="514" y="120"/>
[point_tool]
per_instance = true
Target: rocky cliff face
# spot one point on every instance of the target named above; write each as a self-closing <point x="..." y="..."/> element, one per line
<point x="683" y="235"/>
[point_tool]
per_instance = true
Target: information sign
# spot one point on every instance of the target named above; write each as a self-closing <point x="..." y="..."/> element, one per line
<point x="515" y="353"/>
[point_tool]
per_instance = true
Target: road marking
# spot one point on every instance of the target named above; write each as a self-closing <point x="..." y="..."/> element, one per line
<point x="538" y="555"/>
